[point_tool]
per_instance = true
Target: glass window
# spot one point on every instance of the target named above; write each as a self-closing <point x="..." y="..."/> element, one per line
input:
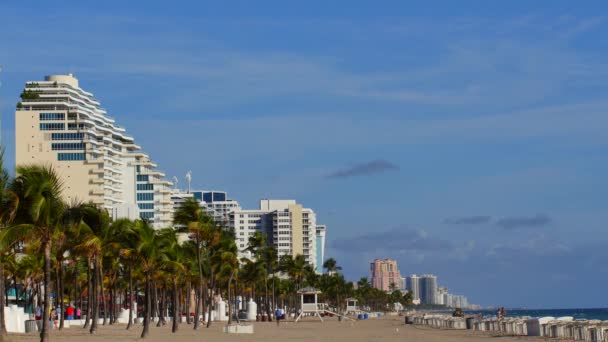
<point x="142" y="178"/>
<point x="67" y="136"/>
<point x="52" y="126"/>
<point x="70" y="156"/>
<point x="51" y="116"/>
<point x="145" y="197"/>
<point x="146" y="215"/>
<point x="145" y="187"/>
<point x="67" y="146"/>
<point x="145" y="206"/>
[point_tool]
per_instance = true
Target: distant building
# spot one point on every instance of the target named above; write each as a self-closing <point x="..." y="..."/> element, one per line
<point x="215" y="204"/>
<point x="440" y="296"/>
<point x="428" y="289"/>
<point x="384" y="273"/>
<point x="412" y="284"/>
<point x="288" y="226"/>
<point x="320" y="246"/>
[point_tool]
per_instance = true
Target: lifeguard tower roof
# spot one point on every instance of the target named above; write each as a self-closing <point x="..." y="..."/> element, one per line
<point x="308" y="290"/>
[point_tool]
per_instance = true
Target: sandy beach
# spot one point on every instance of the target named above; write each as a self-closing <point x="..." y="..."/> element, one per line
<point x="386" y="329"/>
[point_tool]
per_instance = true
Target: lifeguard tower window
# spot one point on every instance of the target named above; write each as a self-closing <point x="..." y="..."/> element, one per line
<point x="308" y="299"/>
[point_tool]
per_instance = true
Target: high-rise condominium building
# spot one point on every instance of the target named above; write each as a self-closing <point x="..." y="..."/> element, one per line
<point x="428" y="289"/>
<point x="58" y="123"/>
<point x="320" y="246"/>
<point x="412" y="284"/>
<point x="287" y="225"/>
<point x="385" y="274"/>
<point x="215" y="203"/>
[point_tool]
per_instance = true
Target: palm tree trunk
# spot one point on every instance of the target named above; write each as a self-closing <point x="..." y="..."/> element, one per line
<point x="130" y="299"/>
<point x="154" y="294"/>
<point x="230" y="300"/>
<point x="159" y="305"/>
<point x="210" y="297"/>
<point x="95" y="299"/>
<point x="3" y="333"/>
<point x="89" y="294"/>
<point x="188" y="292"/>
<point x="175" y="308"/>
<point x="103" y="294"/>
<point x="60" y="295"/>
<point x="197" y="307"/>
<point x="199" y="291"/>
<point x="44" y="334"/>
<point x="147" y="307"/>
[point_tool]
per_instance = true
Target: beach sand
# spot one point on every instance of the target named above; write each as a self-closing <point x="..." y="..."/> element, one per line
<point x="384" y="329"/>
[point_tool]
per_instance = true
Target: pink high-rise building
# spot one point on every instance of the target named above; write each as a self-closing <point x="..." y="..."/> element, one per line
<point x="384" y="273"/>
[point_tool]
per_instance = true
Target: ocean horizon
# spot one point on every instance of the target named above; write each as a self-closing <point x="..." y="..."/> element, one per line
<point x="578" y="314"/>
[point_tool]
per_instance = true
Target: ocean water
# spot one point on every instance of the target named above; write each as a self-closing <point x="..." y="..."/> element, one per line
<point x="601" y="314"/>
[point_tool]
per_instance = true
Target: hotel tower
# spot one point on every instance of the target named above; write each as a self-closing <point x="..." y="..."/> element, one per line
<point x="57" y="123"/>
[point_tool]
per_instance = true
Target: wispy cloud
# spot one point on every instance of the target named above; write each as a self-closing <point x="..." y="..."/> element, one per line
<point x="468" y="220"/>
<point x="397" y="240"/>
<point x="539" y="220"/>
<point x="364" y="169"/>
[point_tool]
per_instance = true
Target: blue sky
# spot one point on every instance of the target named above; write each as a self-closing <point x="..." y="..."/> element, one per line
<point x="465" y="139"/>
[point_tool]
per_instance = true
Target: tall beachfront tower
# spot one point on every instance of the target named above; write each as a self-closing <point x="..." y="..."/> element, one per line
<point x="287" y="225"/>
<point x="384" y="273"/>
<point x="320" y="246"/>
<point x="428" y="289"/>
<point x="58" y="123"/>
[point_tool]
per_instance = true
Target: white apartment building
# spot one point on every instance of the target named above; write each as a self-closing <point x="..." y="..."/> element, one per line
<point x="60" y="124"/>
<point x="215" y="204"/>
<point x="288" y="226"/>
<point x="320" y="246"/>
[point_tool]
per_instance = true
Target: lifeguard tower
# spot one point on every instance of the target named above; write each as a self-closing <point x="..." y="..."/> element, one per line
<point x="351" y="306"/>
<point x="309" y="303"/>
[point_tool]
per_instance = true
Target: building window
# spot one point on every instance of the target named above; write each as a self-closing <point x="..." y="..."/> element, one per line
<point x="67" y="146"/>
<point x="51" y="116"/>
<point x="145" y="187"/>
<point x="70" y="156"/>
<point x="145" y="197"/>
<point x="52" y="126"/>
<point x="67" y="136"/>
<point x="146" y="215"/>
<point x="74" y="126"/>
<point x="148" y="206"/>
<point x="142" y="178"/>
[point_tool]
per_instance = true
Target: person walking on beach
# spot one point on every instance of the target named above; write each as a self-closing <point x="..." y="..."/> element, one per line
<point x="38" y="313"/>
<point x="70" y="313"/>
<point x="503" y="312"/>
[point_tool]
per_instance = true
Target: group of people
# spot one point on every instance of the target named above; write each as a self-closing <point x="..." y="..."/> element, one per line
<point x="70" y="313"/>
<point x="501" y="313"/>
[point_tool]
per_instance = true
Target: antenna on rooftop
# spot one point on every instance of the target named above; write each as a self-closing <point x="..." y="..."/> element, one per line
<point x="189" y="179"/>
<point x="175" y="181"/>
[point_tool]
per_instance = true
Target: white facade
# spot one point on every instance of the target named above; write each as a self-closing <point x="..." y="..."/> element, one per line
<point x="220" y="211"/>
<point x="57" y="123"/>
<point x="320" y="246"/>
<point x="412" y="284"/>
<point x="288" y="226"/>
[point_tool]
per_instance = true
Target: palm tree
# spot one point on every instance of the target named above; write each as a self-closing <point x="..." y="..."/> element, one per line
<point x="226" y="263"/>
<point x="191" y="217"/>
<point x="171" y="263"/>
<point x="8" y="209"/>
<point x="331" y="266"/>
<point x="95" y="234"/>
<point x="39" y="213"/>
<point x="148" y="252"/>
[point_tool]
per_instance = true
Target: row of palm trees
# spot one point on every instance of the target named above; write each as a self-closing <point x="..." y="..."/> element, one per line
<point x="77" y="252"/>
